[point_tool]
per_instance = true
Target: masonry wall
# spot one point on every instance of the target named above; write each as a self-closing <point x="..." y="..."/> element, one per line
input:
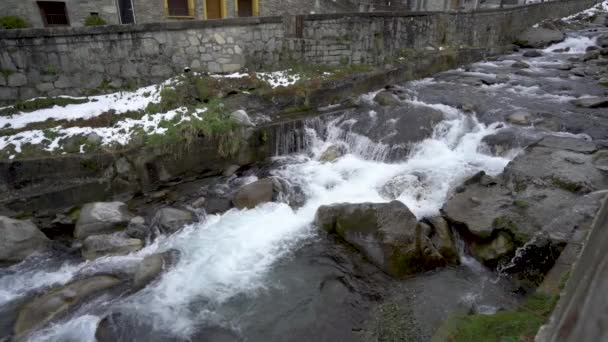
<point x="80" y="61"/>
<point x="77" y="10"/>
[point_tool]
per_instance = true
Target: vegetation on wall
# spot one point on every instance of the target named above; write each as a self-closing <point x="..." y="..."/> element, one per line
<point x="10" y="22"/>
<point x="94" y="20"/>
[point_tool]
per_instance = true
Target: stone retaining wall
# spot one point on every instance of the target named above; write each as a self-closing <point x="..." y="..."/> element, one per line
<point x="80" y="61"/>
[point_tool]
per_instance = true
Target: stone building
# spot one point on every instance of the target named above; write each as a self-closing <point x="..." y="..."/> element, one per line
<point x="74" y="12"/>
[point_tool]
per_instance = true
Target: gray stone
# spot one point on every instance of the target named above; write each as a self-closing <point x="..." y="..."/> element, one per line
<point x="591" y="102"/>
<point x="152" y="266"/>
<point x="251" y="195"/>
<point x="520" y="118"/>
<point x="532" y="53"/>
<point x="199" y="203"/>
<point x="43" y="309"/>
<point x="97" y="246"/>
<point x="45" y="87"/>
<point x="385" y="98"/>
<point x="520" y="65"/>
<point x="241" y="118"/>
<point x="19" y="239"/>
<point x="332" y="153"/>
<point x="94" y="139"/>
<point x="570" y="144"/>
<point x="138" y="229"/>
<point x="170" y="220"/>
<point x="539" y="37"/>
<point x="161" y="71"/>
<point x="63" y="82"/>
<point x="101" y="218"/>
<point x="17" y="80"/>
<point x="600" y="160"/>
<point x="386" y="233"/>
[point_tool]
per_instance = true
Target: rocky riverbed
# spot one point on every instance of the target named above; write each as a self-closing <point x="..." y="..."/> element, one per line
<point x="455" y="193"/>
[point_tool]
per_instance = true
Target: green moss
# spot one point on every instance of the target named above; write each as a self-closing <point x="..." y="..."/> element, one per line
<point x="90" y="164"/>
<point x="565" y="185"/>
<point x="520" y="204"/>
<point x="11" y="22"/>
<point x="94" y="20"/>
<point x="47" y="102"/>
<point x="5" y="72"/>
<point x="517" y="325"/>
<point x="50" y="70"/>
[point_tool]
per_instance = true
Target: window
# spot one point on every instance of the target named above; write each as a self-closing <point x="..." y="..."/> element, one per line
<point x="179" y="8"/>
<point x="54" y="13"/>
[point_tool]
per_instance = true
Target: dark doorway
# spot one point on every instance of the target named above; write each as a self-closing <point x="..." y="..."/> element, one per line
<point x="53" y="13"/>
<point x="125" y="8"/>
<point x="214" y="9"/>
<point x="245" y="8"/>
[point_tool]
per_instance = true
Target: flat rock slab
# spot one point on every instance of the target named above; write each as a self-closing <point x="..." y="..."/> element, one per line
<point x="591" y="102"/>
<point x="570" y="144"/>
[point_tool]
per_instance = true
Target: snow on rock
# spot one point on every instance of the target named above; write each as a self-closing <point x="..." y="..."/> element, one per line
<point x="588" y="13"/>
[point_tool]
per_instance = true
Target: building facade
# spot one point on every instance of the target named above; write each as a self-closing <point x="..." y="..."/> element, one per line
<point x="43" y="13"/>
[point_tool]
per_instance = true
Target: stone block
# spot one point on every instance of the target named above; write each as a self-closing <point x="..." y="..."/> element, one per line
<point x="45" y="87"/>
<point x="17" y="80"/>
<point x="63" y="82"/>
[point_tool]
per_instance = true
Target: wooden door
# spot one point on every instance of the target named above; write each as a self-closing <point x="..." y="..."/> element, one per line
<point x="214" y="9"/>
<point x="245" y="8"/>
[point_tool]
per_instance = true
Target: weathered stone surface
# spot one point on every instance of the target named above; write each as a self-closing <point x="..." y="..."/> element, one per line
<point x="532" y="53"/>
<point x="570" y="144"/>
<point x="101" y="218"/>
<point x="241" y="118"/>
<point x="44" y="309"/>
<point x="442" y="239"/>
<point x="385" y="98"/>
<point x="520" y="65"/>
<point x="170" y="220"/>
<point x="251" y="195"/>
<point x="591" y="102"/>
<point x="97" y="246"/>
<point x="19" y="239"/>
<point x="386" y="233"/>
<point x="138" y="229"/>
<point x="539" y="37"/>
<point x="332" y="153"/>
<point x="17" y="80"/>
<point x="521" y="118"/>
<point x="152" y="266"/>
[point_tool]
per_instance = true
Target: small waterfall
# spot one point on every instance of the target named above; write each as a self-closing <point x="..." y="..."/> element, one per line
<point x="294" y="136"/>
<point x="465" y="258"/>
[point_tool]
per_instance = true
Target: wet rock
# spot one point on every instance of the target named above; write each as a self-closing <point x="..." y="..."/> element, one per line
<point x="533" y="260"/>
<point x="251" y="195"/>
<point x="508" y="139"/>
<point x="521" y="118"/>
<point x="97" y="246"/>
<point x="230" y="170"/>
<point x="565" y="67"/>
<point x="94" y="139"/>
<point x="101" y="218"/>
<point x="170" y="220"/>
<point x="592" y="48"/>
<point x="332" y="153"/>
<point x="199" y="203"/>
<point x="591" y="102"/>
<point x="19" y="239"/>
<point x="217" y="205"/>
<point x="600" y="160"/>
<point x="388" y="234"/>
<point x="570" y="144"/>
<point x="395" y="186"/>
<point x="603" y="81"/>
<point x="602" y="40"/>
<point x="442" y="239"/>
<point x="591" y="55"/>
<point x="520" y="65"/>
<point x="539" y="37"/>
<point x="385" y="98"/>
<point x="43" y="309"/>
<point x="578" y="72"/>
<point x="532" y="53"/>
<point x="138" y="229"/>
<point x="152" y="266"/>
<point x="241" y="118"/>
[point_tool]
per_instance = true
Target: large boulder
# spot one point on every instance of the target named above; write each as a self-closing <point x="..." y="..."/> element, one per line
<point x="101" y="218"/>
<point x="539" y="37"/>
<point x="253" y="194"/>
<point x="170" y="220"/>
<point x="332" y="153"/>
<point x="152" y="266"/>
<point x="45" y="308"/>
<point x="19" y="239"/>
<point x="97" y="246"/>
<point x="386" y="98"/>
<point x="388" y="234"/>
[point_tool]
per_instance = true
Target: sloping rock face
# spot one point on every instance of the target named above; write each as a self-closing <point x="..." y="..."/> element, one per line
<point x="18" y="239"/>
<point x="539" y="37"/>
<point x="170" y="220"/>
<point x="388" y="234"/>
<point x="153" y="266"/>
<point x="43" y="309"/>
<point x="101" y="218"/>
<point x="542" y="197"/>
<point x="97" y="246"/>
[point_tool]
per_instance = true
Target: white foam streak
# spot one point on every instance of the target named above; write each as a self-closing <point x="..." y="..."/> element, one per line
<point x="578" y="44"/>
